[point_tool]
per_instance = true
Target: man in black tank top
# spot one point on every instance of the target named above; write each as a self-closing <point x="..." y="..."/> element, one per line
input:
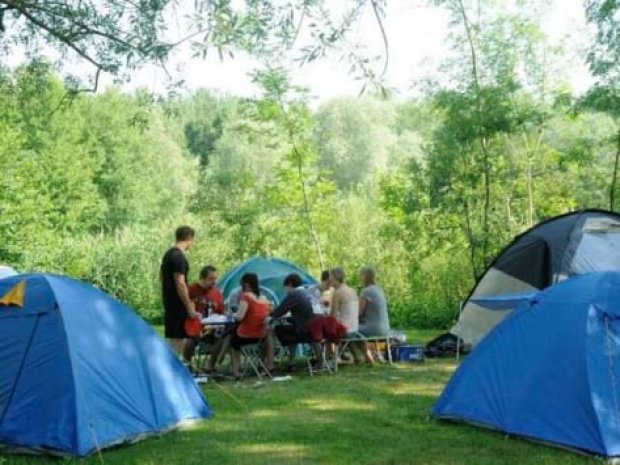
<point x="175" y="293"/>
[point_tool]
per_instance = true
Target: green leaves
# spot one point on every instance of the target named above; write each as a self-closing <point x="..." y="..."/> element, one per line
<point x="604" y="55"/>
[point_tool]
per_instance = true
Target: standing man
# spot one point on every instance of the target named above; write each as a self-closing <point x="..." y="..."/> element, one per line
<point x="175" y="291"/>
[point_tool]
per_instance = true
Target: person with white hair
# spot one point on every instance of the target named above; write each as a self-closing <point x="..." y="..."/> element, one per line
<point x="373" y="312"/>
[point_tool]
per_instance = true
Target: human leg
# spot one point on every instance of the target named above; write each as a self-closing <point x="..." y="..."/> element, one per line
<point x="235" y="362"/>
<point x="362" y="346"/>
<point x="174" y="331"/>
<point x="177" y="345"/>
<point x="188" y="349"/>
<point x="219" y="351"/>
<point x="269" y="351"/>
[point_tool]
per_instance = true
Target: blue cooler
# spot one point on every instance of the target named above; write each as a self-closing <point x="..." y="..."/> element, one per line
<point x="408" y="353"/>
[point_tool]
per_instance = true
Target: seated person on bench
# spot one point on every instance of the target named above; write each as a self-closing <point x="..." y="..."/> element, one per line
<point x="208" y="300"/>
<point x="322" y="292"/>
<point x="251" y="315"/>
<point x="345" y="308"/>
<point x="374" y="321"/>
<point x="299" y="304"/>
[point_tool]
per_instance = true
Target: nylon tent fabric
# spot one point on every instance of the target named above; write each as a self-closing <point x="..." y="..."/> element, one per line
<point x="6" y="271"/>
<point x="271" y="272"/>
<point x="81" y="372"/>
<point x="550" y="252"/>
<point x="546" y="377"/>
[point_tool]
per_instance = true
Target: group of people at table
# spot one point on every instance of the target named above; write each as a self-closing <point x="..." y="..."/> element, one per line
<point x="254" y="315"/>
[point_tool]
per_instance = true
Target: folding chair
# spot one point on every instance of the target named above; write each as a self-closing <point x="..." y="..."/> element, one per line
<point x="327" y="364"/>
<point x="201" y="354"/>
<point x="252" y="360"/>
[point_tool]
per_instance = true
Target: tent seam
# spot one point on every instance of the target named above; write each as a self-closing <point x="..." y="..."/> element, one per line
<point x="21" y="368"/>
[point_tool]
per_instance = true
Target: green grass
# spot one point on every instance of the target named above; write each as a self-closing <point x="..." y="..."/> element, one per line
<point x="361" y="415"/>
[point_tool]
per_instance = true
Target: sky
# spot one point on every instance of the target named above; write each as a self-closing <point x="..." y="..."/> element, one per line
<point x="416" y="36"/>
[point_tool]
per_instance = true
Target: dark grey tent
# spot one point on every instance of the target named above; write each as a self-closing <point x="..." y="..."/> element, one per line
<point x="552" y="251"/>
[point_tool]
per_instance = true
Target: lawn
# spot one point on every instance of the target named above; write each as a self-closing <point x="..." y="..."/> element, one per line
<point x="362" y="415"/>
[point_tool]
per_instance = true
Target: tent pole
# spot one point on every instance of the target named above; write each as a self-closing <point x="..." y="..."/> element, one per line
<point x="458" y="338"/>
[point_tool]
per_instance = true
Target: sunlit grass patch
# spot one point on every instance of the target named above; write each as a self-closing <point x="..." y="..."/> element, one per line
<point x="361" y="415"/>
<point x="337" y="404"/>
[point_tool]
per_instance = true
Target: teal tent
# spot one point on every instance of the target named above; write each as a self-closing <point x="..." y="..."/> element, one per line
<point x="271" y="272"/>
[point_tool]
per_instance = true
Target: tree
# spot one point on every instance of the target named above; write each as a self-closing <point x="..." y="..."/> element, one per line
<point x="108" y="35"/>
<point x="501" y="56"/>
<point x="292" y="115"/>
<point x="48" y="190"/>
<point x="355" y="139"/>
<point x="604" y="55"/>
<point x="143" y="174"/>
<point x="113" y="35"/>
<point x="606" y="99"/>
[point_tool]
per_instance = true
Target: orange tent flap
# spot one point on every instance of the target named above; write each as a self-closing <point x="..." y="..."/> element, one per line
<point x="15" y="295"/>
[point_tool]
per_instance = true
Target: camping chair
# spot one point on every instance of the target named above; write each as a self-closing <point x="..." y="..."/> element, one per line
<point x="359" y="337"/>
<point x="328" y="365"/>
<point x="324" y="330"/>
<point x="201" y="356"/>
<point x="252" y="359"/>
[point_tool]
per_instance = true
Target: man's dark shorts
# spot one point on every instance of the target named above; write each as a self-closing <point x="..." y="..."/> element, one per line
<point x="288" y="335"/>
<point x="174" y="320"/>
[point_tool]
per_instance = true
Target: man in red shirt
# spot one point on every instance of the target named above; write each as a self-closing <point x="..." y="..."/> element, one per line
<point x="206" y="296"/>
<point x="208" y="300"/>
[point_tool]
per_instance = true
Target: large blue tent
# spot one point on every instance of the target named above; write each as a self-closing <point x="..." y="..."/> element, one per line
<point x="550" y="371"/>
<point x="271" y="272"/>
<point x="79" y="371"/>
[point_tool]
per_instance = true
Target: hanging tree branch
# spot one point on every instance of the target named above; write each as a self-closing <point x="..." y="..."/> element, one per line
<point x="481" y="137"/>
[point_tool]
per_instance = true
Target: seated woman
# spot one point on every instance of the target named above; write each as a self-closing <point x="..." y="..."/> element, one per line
<point x="251" y="315"/>
<point x="345" y="308"/>
<point x="374" y="321"/>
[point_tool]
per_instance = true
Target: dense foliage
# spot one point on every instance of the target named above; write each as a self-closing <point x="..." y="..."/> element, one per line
<point x="426" y="189"/>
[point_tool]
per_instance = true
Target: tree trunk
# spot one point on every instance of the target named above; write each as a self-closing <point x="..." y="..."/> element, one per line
<point x="311" y="229"/>
<point x="486" y="166"/>
<point x="471" y="239"/>
<point x="302" y="181"/>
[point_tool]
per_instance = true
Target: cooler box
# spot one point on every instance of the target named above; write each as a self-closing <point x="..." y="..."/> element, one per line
<point x="413" y="353"/>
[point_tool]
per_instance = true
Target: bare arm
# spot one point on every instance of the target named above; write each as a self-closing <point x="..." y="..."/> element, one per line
<point x="183" y="292"/>
<point x="243" y="307"/>
<point x="334" y="305"/>
<point x="362" y="305"/>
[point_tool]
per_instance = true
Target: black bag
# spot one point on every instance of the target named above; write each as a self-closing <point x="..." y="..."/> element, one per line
<point x="446" y="345"/>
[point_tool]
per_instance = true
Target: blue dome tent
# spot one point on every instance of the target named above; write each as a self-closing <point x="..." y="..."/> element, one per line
<point x="81" y="372"/>
<point x="271" y="272"/>
<point x="550" y="371"/>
